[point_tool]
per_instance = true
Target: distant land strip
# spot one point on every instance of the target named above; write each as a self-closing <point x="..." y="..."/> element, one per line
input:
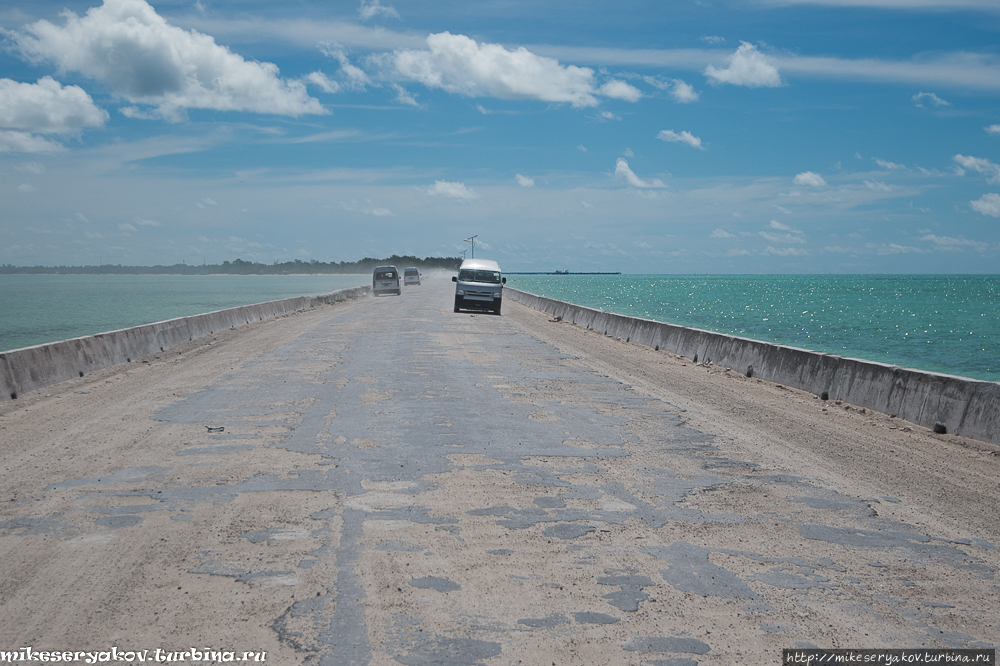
<point x="240" y="267"/>
<point x="558" y="273"/>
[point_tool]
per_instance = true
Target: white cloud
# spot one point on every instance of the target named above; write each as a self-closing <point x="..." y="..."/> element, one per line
<point x="785" y="252"/>
<point x="45" y="107"/>
<point x="809" y="179"/>
<point x="960" y="69"/>
<point x="616" y="89"/>
<point x="953" y="244"/>
<point x="893" y="248"/>
<point x="781" y="238"/>
<point x="683" y="92"/>
<point x="352" y="76"/>
<point x="22" y="142"/>
<point x="524" y="181"/>
<point x="980" y="165"/>
<point x="403" y="96"/>
<point x="450" y="190"/>
<point x="988" y="204"/>
<point x="713" y="39"/>
<point x="774" y="224"/>
<point x="147" y="223"/>
<point x="126" y="227"/>
<point x="680" y="90"/>
<point x="373" y="8"/>
<point x="463" y="66"/>
<point x="887" y="165"/>
<point x="607" y="115"/>
<point x="141" y="57"/>
<point x="659" y="82"/>
<point x="747" y="67"/>
<point x="136" y="113"/>
<point x="624" y="173"/>
<point x="26" y="187"/>
<point x="993" y="130"/>
<point x="877" y="186"/>
<point x="721" y="233"/>
<point x="955" y="69"/>
<point x="682" y="137"/>
<point x="919" y="99"/>
<point x="320" y="80"/>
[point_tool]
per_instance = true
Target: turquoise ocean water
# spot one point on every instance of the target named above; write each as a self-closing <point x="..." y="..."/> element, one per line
<point x="35" y="309"/>
<point x="941" y="323"/>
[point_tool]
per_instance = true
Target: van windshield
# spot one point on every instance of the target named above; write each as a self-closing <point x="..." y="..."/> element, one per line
<point x="489" y="277"/>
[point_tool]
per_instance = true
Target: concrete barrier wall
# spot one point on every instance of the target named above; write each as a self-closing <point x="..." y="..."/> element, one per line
<point x="32" y="368"/>
<point x="966" y="407"/>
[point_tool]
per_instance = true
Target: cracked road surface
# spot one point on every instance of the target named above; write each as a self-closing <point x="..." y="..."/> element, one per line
<point x="399" y="484"/>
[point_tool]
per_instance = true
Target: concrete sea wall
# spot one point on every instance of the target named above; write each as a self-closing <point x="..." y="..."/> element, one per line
<point x="957" y="405"/>
<point x="32" y="368"/>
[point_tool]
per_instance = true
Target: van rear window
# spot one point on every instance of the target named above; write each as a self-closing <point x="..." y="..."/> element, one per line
<point x="489" y="277"/>
<point x="388" y="275"/>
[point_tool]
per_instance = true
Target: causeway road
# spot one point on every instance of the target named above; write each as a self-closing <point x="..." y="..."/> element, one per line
<point x="384" y="481"/>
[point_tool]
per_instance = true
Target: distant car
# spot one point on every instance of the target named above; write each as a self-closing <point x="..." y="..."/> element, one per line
<point x="479" y="286"/>
<point x="411" y="276"/>
<point x="385" y="280"/>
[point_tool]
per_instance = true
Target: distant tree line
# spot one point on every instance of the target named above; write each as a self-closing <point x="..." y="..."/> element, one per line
<point x="240" y="267"/>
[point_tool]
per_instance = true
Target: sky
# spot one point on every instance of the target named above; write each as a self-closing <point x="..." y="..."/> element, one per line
<point x="640" y="136"/>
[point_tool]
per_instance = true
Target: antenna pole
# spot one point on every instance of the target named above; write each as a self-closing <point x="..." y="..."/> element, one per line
<point x="473" y="241"/>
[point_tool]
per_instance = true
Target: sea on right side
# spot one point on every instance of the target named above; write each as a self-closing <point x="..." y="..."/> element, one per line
<point x="939" y="323"/>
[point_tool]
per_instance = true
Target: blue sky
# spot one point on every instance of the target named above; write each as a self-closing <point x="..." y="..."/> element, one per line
<point x="709" y="136"/>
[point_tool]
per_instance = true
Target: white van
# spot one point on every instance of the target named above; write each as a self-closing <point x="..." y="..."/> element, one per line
<point x="385" y="280"/>
<point x="479" y="285"/>
<point x="411" y="276"/>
